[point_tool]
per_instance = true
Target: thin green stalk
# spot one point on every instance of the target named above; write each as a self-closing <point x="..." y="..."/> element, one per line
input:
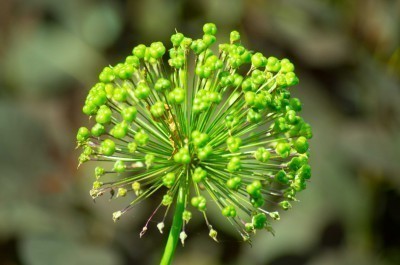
<point x="177" y="222"/>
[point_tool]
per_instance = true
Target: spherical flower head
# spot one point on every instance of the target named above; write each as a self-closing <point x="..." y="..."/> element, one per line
<point x="232" y="134"/>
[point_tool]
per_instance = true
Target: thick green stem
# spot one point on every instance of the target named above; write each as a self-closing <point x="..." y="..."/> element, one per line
<point x="176" y="226"/>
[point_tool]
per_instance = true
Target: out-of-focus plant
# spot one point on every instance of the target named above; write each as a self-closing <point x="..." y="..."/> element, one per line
<point x="231" y="134"/>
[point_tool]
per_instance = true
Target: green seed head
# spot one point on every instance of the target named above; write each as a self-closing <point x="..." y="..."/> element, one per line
<point x="213" y="124"/>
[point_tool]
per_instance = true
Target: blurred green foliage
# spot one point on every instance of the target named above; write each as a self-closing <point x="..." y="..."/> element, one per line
<point x="347" y="55"/>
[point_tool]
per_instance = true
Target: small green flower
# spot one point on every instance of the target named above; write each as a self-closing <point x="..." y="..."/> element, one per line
<point x="231" y="134"/>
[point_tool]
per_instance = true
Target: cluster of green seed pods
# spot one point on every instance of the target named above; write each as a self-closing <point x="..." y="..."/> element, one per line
<point x="226" y="131"/>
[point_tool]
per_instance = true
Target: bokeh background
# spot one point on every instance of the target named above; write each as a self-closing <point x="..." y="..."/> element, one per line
<point x="347" y="55"/>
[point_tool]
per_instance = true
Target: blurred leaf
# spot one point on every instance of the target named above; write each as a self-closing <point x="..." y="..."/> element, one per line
<point x="155" y="19"/>
<point x="24" y="152"/>
<point x="41" y="61"/>
<point x="101" y="25"/>
<point x="56" y="251"/>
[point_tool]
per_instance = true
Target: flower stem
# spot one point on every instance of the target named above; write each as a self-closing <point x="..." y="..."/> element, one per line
<point x="176" y="226"/>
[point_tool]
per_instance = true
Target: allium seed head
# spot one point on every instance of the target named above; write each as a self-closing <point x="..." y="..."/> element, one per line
<point x="225" y="131"/>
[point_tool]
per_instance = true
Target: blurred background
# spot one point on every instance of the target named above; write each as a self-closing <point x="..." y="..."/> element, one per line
<point x="347" y="55"/>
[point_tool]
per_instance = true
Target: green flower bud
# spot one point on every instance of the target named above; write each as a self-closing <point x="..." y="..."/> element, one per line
<point x="231" y="121"/>
<point x="281" y="177"/>
<point x="203" y="71"/>
<point x="120" y="94"/>
<point x="89" y="109"/>
<point x="121" y="192"/>
<point x="257" y="201"/>
<point x="229" y="211"/>
<point x="177" y="62"/>
<point x="141" y="138"/>
<point x="199" y="139"/>
<point x="247" y="85"/>
<point x="305" y="130"/>
<point x="132" y="146"/>
<point x="203" y="153"/>
<point x="149" y="159"/>
<point x="275" y="215"/>
<point x="136" y="188"/>
<point x="176" y="39"/>
<point x="250" y="97"/>
<point x="142" y="91"/>
<point x="253" y="116"/>
<point x="210" y="28"/>
<point x="260" y="101"/>
<point x="162" y="84"/>
<point x="198" y="46"/>
<point x="301" y="145"/>
<point x="199" y="175"/>
<point x="139" y="51"/>
<point x="186" y="42"/>
<point x="133" y="61"/>
<point x="259" y="221"/>
<point x="103" y="115"/>
<point x="125" y="71"/>
<point x="157" y="50"/>
<point x="283" y="149"/>
<point x="291" y="79"/>
<point x="107" y="75"/>
<point x="258" y="60"/>
<point x="119" y="166"/>
<point x="83" y="158"/>
<point x="234" y="183"/>
<point x="258" y="77"/>
<point x="295" y="104"/>
<point x="262" y="154"/>
<point x="209" y="39"/>
<point x="213" y="234"/>
<point x="287" y="66"/>
<point x="285" y="205"/>
<point x="83" y="134"/>
<point x="299" y="183"/>
<point x="167" y="200"/>
<point x="234" y="36"/>
<point x="186" y="216"/>
<point x="99" y="171"/>
<point x="234" y="164"/>
<point x="158" y="109"/>
<point x="107" y="147"/>
<point x="120" y="130"/>
<point x="182" y="156"/>
<point x="281" y="80"/>
<point x="273" y="65"/>
<point x="169" y="179"/>
<point x="295" y="163"/>
<point x="109" y="88"/>
<point x="177" y="96"/>
<point x="249" y="227"/>
<point x="233" y="144"/>
<point x="97" y="130"/>
<point x="291" y="117"/>
<point x="254" y="189"/>
<point x="129" y="113"/>
<point x="281" y="125"/>
<point x="305" y="172"/>
<point x="199" y="202"/>
<point x="97" y="185"/>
